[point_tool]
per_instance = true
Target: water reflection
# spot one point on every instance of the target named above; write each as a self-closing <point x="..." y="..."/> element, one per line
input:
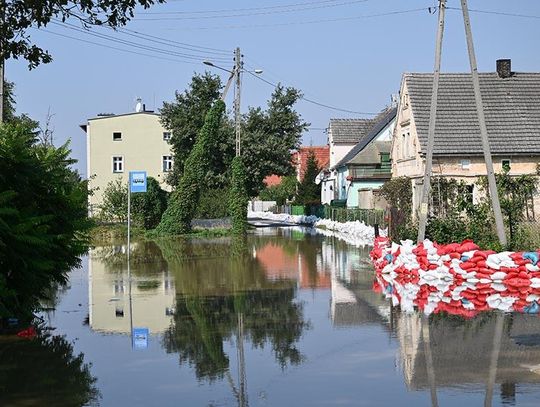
<point x="218" y="303"/>
<point x="45" y="372"/>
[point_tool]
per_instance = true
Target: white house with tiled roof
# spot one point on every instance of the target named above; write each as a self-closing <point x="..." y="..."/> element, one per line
<point x="512" y="110"/>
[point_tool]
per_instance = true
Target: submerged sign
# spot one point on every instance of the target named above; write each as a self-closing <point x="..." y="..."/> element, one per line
<point x="137" y="181"/>
<point x="140" y="338"/>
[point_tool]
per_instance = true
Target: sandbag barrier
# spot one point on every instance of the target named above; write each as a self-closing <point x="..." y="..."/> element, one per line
<point x="457" y="278"/>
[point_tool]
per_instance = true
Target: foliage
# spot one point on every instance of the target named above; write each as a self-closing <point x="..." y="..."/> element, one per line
<point x="19" y="16"/>
<point x="45" y="371"/>
<point x="148" y="207"/>
<point x="43" y="219"/>
<point x="309" y="193"/>
<point x="398" y="193"/>
<point x="185" y="117"/>
<point x="183" y="201"/>
<point x="238" y="197"/>
<point x="114" y="204"/>
<point x="282" y="192"/>
<point x="212" y="205"/>
<point x="268" y="137"/>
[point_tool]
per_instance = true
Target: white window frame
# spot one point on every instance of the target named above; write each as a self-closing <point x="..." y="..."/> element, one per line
<point x="465" y="164"/>
<point x="121" y="162"/>
<point x="117" y="132"/>
<point x="169" y="159"/>
<point x="167" y="138"/>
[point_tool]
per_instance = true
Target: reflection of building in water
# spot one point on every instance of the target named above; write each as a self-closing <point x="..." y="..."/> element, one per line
<point x="153" y="292"/>
<point x="292" y="263"/>
<point x="468" y="351"/>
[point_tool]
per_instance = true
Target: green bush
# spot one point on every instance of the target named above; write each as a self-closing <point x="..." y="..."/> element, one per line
<point x="282" y="192"/>
<point x="212" y="205"/>
<point x="176" y="219"/>
<point x="113" y="207"/>
<point x="148" y="207"/>
<point x="43" y="220"/>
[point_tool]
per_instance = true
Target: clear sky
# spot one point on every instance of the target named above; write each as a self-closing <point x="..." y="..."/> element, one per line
<point x="343" y="53"/>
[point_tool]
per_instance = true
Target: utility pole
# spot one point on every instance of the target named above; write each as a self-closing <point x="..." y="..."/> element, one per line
<point x="237" y="69"/>
<point x="424" y="204"/>
<point x="483" y="129"/>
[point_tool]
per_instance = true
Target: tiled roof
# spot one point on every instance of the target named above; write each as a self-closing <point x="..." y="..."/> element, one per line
<point x="379" y="123"/>
<point x="511" y="105"/>
<point x="349" y="131"/>
<point x="322" y="155"/>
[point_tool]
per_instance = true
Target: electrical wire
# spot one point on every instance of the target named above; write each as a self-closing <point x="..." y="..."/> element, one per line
<point x="134" y="44"/>
<point x="314" y="101"/>
<point x="497" y="13"/>
<point x="292" y="23"/>
<point x="259" y="13"/>
<point x="249" y="8"/>
<point x="115" y="48"/>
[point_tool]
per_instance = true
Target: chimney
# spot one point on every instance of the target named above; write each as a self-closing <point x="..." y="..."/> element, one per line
<point x="504" y="68"/>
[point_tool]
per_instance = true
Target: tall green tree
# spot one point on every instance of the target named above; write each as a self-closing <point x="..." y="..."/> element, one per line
<point x="185" y="118"/>
<point x="309" y="193"/>
<point x="43" y="219"/>
<point x="269" y="136"/>
<point x="176" y="219"/>
<point x="10" y="105"/>
<point x="19" y="16"/>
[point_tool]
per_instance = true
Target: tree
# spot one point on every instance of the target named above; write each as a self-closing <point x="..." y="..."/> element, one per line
<point x="238" y="197"/>
<point x="43" y="219"/>
<point x="268" y="137"/>
<point x="148" y="207"/>
<point x="185" y="118"/>
<point x="114" y="205"/>
<point x="21" y="15"/>
<point x="177" y="218"/>
<point x="282" y="192"/>
<point x="309" y="193"/>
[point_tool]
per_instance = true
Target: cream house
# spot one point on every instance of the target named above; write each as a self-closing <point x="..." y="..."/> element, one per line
<point x="512" y="109"/>
<point x="117" y="144"/>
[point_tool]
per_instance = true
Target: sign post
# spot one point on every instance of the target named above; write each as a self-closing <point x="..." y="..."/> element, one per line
<point x="137" y="183"/>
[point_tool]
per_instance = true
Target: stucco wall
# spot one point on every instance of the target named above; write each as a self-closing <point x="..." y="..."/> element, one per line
<point x="142" y="147"/>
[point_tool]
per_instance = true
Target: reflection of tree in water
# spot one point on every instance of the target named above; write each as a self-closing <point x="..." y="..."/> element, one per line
<point x="213" y="291"/>
<point x="44" y="372"/>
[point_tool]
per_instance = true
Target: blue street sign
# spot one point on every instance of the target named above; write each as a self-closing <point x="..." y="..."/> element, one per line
<point x="137" y="181"/>
<point x="140" y="338"/>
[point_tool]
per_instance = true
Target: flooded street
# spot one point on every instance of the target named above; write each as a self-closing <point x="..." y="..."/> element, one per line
<point x="290" y="318"/>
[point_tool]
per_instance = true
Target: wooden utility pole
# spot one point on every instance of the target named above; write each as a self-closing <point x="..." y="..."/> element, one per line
<point x="483" y="129"/>
<point x="237" y="69"/>
<point x="424" y="203"/>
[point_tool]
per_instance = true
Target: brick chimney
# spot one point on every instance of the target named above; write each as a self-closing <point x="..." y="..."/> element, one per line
<point x="504" y="68"/>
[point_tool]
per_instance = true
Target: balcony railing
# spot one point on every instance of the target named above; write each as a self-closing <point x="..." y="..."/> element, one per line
<point x="359" y="173"/>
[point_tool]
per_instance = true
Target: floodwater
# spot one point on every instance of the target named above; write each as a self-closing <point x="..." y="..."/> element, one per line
<point x="287" y="318"/>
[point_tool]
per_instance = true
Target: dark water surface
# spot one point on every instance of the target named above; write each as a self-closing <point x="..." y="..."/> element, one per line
<point x="288" y="319"/>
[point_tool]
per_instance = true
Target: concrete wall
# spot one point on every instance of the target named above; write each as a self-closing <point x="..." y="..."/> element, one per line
<point x="142" y="148"/>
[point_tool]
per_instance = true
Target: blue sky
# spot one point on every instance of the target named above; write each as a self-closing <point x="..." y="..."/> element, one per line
<point x="344" y="53"/>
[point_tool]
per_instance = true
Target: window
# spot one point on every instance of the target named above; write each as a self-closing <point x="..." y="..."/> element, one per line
<point x="117" y="136"/>
<point x="118" y="164"/>
<point x="166" y="135"/>
<point x="385" y="160"/>
<point x="505" y="165"/>
<point x="167" y="163"/>
<point x="465" y="164"/>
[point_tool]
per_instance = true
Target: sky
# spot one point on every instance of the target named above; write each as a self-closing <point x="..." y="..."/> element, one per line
<point x="346" y="54"/>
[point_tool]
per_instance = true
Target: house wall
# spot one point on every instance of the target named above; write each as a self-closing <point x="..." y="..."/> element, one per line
<point x="407" y="160"/>
<point x="358" y="193"/>
<point x="338" y="151"/>
<point x="142" y="147"/>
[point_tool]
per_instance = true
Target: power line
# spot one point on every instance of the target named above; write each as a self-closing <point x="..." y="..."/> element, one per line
<point x="115" y="48"/>
<point x="292" y="23"/>
<point x="250" y="14"/>
<point x="314" y="101"/>
<point x="132" y="44"/>
<point x="497" y="13"/>
<point x="247" y="9"/>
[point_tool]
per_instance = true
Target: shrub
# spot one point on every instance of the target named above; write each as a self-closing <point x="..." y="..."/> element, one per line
<point x="212" y="205"/>
<point x="148" y="207"/>
<point x="238" y="198"/>
<point x="43" y="220"/>
<point x="114" y="205"/>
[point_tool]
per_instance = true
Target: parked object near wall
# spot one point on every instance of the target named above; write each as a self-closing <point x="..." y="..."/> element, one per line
<point x="456" y="278"/>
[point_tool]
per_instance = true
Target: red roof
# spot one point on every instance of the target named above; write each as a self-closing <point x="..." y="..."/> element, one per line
<point x="322" y="155"/>
<point x="272" y="180"/>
